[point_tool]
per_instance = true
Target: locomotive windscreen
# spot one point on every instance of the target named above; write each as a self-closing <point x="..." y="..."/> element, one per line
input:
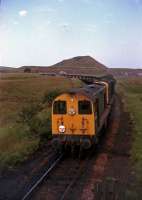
<point x="84" y="107"/>
<point x="60" y="107"/>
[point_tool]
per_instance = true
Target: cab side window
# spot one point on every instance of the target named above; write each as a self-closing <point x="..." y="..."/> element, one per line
<point x="84" y="107"/>
<point x="60" y="107"/>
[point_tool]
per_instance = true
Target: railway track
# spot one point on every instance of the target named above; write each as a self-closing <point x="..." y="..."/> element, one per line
<point x="60" y="182"/>
<point x="51" y="166"/>
<point x="73" y="181"/>
<point x="61" y="178"/>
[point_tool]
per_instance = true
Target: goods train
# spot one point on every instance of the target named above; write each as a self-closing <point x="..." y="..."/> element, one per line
<point x="79" y="114"/>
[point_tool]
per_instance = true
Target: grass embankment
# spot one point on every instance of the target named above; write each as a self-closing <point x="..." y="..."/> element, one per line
<point x="25" y="113"/>
<point x="131" y="93"/>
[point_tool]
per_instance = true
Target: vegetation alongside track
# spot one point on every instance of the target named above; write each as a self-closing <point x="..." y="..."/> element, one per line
<point x="25" y="101"/>
<point x="131" y="93"/>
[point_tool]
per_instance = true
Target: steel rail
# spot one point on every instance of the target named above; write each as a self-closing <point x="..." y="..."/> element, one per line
<point x="29" y="193"/>
<point x="81" y="169"/>
<point x="66" y="191"/>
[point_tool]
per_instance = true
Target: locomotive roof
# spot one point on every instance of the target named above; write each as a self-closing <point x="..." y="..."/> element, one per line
<point x="90" y="91"/>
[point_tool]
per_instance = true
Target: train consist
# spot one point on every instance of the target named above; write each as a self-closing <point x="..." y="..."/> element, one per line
<point x="79" y="114"/>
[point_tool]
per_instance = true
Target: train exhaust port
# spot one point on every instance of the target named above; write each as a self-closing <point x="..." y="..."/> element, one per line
<point x="86" y="144"/>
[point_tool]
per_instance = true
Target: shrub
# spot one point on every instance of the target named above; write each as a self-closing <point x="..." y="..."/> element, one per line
<point x="40" y="126"/>
<point x="27" y="113"/>
<point x="16" y="144"/>
<point x="37" y="118"/>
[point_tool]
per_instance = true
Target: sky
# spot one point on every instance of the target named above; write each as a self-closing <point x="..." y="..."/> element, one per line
<point x="44" y="32"/>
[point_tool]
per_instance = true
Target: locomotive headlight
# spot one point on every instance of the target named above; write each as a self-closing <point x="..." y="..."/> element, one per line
<point x="62" y="129"/>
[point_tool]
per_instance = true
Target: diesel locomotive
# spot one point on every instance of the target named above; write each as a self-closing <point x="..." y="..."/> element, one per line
<point x="79" y="114"/>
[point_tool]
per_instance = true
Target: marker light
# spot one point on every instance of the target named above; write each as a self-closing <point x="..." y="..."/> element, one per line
<point x="62" y="129"/>
<point x="71" y="111"/>
<point x="72" y="99"/>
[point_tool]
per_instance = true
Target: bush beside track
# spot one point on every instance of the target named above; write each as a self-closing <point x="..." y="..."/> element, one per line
<point x="131" y="94"/>
<point x="25" y="107"/>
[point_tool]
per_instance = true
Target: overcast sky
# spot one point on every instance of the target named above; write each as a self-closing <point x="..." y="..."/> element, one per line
<point x="43" y="32"/>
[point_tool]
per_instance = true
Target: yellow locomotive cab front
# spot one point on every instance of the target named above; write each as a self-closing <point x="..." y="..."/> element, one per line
<point x="72" y="115"/>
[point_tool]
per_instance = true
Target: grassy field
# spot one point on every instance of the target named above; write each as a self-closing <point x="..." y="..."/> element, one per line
<point x="131" y="93"/>
<point x="24" y="113"/>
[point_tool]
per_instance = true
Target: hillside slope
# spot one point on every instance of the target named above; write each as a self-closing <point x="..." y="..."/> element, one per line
<point x="81" y="62"/>
<point x="76" y="65"/>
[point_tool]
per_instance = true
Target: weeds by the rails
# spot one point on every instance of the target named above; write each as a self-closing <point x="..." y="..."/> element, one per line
<point x="25" y="107"/>
<point x="16" y="145"/>
<point x="131" y="93"/>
